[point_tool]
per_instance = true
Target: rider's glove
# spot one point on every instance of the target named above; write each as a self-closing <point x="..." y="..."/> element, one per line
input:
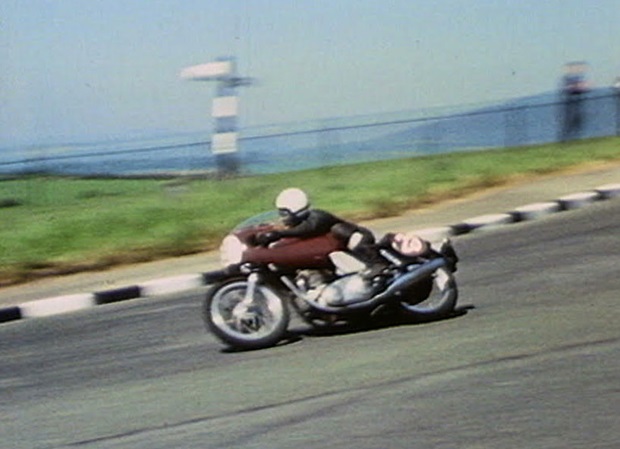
<point x="266" y="238"/>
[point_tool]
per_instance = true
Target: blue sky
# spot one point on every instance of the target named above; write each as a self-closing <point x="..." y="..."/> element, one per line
<point x="95" y="69"/>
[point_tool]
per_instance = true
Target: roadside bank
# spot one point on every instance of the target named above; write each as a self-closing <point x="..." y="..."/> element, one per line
<point x="167" y="275"/>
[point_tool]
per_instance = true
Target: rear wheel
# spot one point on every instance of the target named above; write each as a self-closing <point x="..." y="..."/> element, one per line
<point x="257" y="324"/>
<point x="431" y="298"/>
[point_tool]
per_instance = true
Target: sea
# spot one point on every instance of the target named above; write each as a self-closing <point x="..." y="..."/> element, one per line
<point x="289" y="147"/>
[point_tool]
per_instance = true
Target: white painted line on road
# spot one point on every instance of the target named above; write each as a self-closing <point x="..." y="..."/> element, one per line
<point x="171" y="285"/>
<point x="58" y="304"/>
<point x="490" y="221"/>
<point x="577" y="200"/>
<point x="537" y="210"/>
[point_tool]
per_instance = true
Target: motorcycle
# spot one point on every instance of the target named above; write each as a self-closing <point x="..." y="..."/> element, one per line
<point x="248" y="303"/>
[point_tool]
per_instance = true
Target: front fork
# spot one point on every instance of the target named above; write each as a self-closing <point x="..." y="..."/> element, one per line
<point x="245" y="313"/>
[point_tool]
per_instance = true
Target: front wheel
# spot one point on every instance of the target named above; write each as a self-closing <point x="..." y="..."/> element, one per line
<point x="245" y="323"/>
<point x="432" y="298"/>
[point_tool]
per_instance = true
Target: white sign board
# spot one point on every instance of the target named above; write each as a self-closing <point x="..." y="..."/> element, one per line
<point x="224" y="143"/>
<point x="209" y="71"/>
<point x="225" y="106"/>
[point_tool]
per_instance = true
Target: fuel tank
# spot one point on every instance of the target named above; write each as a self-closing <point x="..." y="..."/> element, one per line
<point x="296" y="253"/>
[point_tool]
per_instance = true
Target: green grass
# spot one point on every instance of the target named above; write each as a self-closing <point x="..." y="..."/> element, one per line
<point x="51" y="225"/>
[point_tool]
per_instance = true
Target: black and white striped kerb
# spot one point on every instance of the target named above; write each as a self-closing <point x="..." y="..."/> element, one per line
<point x="72" y="303"/>
<point x="527" y="212"/>
<point x="157" y="287"/>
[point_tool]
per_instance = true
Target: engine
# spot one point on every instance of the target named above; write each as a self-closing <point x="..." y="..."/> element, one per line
<point x="329" y="290"/>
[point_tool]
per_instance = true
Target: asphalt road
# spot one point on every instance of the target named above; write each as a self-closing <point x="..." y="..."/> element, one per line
<point x="532" y="362"/>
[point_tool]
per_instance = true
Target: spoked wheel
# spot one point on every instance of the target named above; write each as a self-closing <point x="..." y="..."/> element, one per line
<point x="432" y="298"/>
<point x="245" y="320"/>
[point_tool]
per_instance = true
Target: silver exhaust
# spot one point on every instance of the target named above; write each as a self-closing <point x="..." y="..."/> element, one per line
<point x="403" y="282"/>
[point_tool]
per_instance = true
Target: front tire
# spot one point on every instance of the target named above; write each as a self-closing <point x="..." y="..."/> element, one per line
<point x="432" y="298"/>
<point x="264" y="324"/>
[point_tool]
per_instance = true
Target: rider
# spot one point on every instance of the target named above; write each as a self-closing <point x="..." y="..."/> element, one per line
<point x="303" y="221"/>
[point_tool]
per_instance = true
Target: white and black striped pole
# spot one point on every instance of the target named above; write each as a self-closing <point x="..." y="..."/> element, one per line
<point x="224" y="110"/>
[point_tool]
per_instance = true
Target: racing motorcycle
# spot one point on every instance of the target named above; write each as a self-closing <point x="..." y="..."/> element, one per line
<point x="249" y="302"/>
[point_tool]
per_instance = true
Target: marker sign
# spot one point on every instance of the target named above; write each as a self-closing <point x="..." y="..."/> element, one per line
<point x="209" y="71"/>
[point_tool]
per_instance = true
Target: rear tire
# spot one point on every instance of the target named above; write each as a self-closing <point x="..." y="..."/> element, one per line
<point x="263" y="327"/>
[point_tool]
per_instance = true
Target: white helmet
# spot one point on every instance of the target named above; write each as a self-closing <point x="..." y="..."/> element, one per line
<point x="293" y="202"/>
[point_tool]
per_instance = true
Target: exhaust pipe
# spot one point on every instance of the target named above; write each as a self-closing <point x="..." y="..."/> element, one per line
<point x="405" y="281"/>
<point x="412" y="277"/>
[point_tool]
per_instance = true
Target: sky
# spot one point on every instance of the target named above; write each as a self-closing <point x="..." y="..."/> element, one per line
<point x="92" y="70"/>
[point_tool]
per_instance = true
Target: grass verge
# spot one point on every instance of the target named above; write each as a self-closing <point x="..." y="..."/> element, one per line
<point x="59" y="225"/>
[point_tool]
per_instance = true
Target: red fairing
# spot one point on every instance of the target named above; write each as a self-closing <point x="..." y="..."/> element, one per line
<point x="296" y="253"/>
